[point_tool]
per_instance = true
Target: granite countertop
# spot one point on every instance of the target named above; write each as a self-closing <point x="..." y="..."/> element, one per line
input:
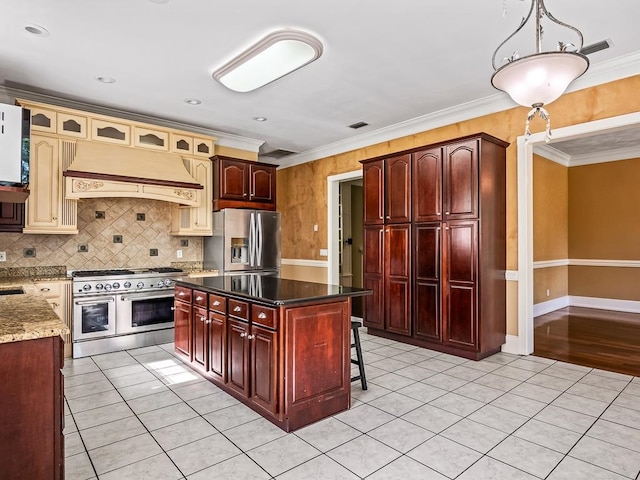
<point x="272" y="290"/>
<point x="27" y="316"/>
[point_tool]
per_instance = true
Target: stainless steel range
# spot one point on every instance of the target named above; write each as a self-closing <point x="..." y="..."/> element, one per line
<point x="121" y="309"/>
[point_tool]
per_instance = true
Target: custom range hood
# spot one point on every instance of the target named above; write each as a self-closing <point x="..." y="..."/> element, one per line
<point x="105" y="170"/>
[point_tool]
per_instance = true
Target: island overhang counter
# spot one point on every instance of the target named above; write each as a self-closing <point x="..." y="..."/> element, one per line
<point x="280" y="346"/>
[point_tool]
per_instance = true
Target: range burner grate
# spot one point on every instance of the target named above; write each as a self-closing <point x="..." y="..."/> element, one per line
<point x="101" y="273"/>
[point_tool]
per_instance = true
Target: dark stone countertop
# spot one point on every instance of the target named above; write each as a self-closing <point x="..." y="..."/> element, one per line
<point x="270" y="289"/>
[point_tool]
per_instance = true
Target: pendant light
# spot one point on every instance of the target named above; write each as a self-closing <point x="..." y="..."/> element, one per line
<point x="540" y="78"/>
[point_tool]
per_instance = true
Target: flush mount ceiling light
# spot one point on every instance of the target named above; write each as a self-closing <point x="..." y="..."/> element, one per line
<point x="275" y="56"/>
<point x="260" y="119"/>
<point x="193" y="101"/>
<point x="542" y="77"/>
<point x="106" y="79"/>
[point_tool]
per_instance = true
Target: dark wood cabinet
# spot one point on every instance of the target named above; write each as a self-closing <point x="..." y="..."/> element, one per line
<point x="373" y="188"/>
<point x="11" y="217"/>
<point x="182" y="322"/>
<point x="289" y="363"/>
<point x="32" y="414"/>
<point x="241" y="183"/>
<point x="448" y="261"/>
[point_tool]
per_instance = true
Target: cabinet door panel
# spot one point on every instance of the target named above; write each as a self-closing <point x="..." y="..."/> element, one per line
<point x="182" y="328"/>
<point x="217" y="346"/>
<point x="11" y="217"/>
<point x="398" y="189"/>
<point x="237" y="356"/>
<point x="233" y="175"/>
<point x="263" y="368"/>
<point x="427" y="185"/>
<point x="397" y="289"/>
<point x="373" y="190"/>
<point x="262" y="183"/>
<point x="200" y="334"/>
<point x="427" y="322"/>
<point x="461" y="276"/>
<point x="374" y="276"/>
<point x="461" y="180"/>
<point x="43" y="203"/>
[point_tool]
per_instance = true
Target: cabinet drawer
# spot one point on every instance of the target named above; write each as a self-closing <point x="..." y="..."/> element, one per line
<point x="239" y="309"/>
<point x="200" y="298"/>
<point x="264" y="316"/>
<point x="50" y="289"/>
<point x="217" y="303"/>
<point x="183" y="294"/>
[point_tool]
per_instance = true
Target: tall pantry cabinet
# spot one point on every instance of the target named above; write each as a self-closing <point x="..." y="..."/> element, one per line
<point x="435" y="246"/>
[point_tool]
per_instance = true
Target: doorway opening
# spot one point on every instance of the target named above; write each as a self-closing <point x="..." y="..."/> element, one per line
<point x="345" y="233"/>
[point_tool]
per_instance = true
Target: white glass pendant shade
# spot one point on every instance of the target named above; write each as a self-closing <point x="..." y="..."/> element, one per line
<point x="541" y="78"/>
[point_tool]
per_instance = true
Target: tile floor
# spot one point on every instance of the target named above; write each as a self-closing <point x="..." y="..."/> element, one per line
<point x="142" y="414"/>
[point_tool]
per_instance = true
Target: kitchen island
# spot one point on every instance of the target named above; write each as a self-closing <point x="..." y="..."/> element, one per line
<point x="282" y="347"/>
<point x="32" y="415"/>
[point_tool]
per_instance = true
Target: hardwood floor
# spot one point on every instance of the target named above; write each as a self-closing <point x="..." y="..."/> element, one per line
<point x="596" y="338"/>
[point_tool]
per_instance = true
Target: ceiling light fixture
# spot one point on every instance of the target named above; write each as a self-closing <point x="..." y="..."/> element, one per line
<point x="542" y="77"/>
<point x="276" y="55"/>
<point x="193" y="101"/>
<point x="106" y="79"/>
<point x="37" y="30"/>
<point x="260" y="119"/>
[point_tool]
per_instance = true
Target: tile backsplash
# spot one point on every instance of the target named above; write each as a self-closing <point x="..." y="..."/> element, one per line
<point x="94" y="246"/>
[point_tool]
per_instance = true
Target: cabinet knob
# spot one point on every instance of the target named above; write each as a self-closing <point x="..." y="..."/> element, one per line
<point x="237" y="308"/>
<point x="447" y="213"/>
<point x="181" y="294"/>
<point x="54" y="218"/>
<point x="207" y="321"/>
<point x="173" y="308"/>
<point x="199" y="298"/>
<point x="250" y="337"/>
<point x="45" y="289"/>
<point x="262" y="315"/>
<point x="216" y="303"/>
<point x="243" y="334"/>
<point x="388" y="217"/>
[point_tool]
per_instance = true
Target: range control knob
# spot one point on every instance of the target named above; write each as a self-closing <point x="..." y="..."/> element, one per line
<point x="116" y="285"/>
<point x="160" y="284"/>
<point x="140" y="285"/>
<point x="107" y="287"/>
<point x="99" y="286"/>
<point x="127" y="284"/>
<point x="86" y="287"/>
<point x="168" y="283"/>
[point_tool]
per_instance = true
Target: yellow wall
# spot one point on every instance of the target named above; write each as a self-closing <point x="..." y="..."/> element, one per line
<point x="306" y="273"/>
<point x="302" y="190"/>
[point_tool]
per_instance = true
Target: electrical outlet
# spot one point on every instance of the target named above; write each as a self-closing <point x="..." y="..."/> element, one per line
<point x="29" y="252"/>
<point x="324" y="252"/>
<point x="83" y="248"/>
<point x="117" y="239"/>
<point x="153" y="252"/>
<point x="140" y="217"/>
<point x="179" y="253"/>
<point x="548" y="292"/>
<point x="3" y="256"/>
<point x="184" y="242"/>
<point x="100" y="215"/>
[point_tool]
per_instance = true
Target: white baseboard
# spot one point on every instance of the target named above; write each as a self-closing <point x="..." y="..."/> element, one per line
<point x="512" y="345"/>
<point x="630" y="306"/>
<point x="550" y="306"/>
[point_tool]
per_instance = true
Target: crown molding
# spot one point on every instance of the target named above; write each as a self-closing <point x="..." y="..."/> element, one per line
<point x="604" y="72"/>
<point x="222" y="138"/>
<point x="608" y="156"/>
<point x="550" y="153"/>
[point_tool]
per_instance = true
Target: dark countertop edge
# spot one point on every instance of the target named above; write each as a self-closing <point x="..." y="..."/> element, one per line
<point x="246" y="296"/>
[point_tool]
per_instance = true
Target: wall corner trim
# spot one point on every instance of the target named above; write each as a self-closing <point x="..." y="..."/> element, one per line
<point x="302" y="262"/>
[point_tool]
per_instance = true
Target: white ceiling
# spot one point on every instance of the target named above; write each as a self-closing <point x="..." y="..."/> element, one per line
<point x="384" y="62"/>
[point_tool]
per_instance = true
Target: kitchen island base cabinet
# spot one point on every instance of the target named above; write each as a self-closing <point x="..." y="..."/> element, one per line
<point x="290" y="363"/>
<point x="32" y="413"/>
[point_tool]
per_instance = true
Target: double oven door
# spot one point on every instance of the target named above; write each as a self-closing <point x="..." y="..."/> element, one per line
<point x="120" y="314"/>
<point x="141" y="312"/>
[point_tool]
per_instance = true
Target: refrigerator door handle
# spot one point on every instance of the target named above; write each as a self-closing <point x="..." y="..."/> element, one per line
<point x="259" y="240"/>
<point x="252" y="240"/>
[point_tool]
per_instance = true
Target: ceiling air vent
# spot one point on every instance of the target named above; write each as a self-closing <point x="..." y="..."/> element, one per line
<point x="279" y="153"/>
<point x="596" y="47"/>
<point x="358" y="125"/>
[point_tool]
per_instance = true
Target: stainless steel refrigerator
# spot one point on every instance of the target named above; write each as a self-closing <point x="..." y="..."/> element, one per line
<point x="243" y="241"/>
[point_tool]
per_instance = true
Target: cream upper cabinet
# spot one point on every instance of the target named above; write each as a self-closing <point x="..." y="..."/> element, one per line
<point x="43" y="120"/>
<point x="202" y="147"/>
<point x="46" y="209"/>
<point x="195" y="221"/>
<point x="72" y="125"/>
<point x="110" y="132"/>
<point x="152" y="139"/>
<point x="182" y="144"/>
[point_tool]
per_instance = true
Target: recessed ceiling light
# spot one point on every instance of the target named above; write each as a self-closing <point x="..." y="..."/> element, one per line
<point x="159" y="1"/>
<point x="276" y="55"/>
<point x="106" y="79"/>
<point x="37" y="30"/>
<point x="193" y="101"/>
<point x="260" y="119"/>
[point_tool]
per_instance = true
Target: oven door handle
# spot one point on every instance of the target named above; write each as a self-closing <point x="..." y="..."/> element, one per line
<point x="95" y="302"/>
<point x="129" y="298"/>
